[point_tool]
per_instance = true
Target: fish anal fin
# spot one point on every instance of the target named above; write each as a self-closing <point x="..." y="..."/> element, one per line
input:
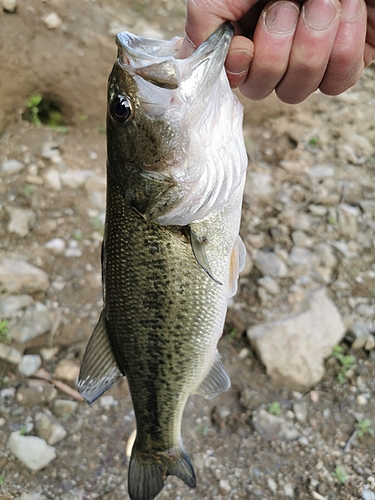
<point x="216" y="381"/>
<point x="99" y="370"/>
<point x="148" y="471"/>
<point x="236" y="264"/>
<point x="199" y="251"/>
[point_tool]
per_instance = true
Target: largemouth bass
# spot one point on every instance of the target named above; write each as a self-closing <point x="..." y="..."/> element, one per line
<point x="171" y="251"/>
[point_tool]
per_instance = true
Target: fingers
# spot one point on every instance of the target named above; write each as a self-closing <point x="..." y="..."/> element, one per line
<point x="205" y="16"/>
<point x="273" y="40"/>
<point x="346" y="62"/>
<point x="238" y="61"/>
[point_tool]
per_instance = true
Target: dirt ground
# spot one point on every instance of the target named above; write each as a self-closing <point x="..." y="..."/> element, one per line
<point x="68" y="67"/>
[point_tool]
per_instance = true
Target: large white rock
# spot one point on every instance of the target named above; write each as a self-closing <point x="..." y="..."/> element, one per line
<point x="34" y="452"/>
<point x="18" y="276"/>
<point x="293" y="349"/>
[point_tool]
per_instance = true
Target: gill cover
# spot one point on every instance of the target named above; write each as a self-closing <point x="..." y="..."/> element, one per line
<point x="205" y="159"/>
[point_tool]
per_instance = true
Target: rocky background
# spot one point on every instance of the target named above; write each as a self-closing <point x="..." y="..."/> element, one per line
<point x="299" y="342"/>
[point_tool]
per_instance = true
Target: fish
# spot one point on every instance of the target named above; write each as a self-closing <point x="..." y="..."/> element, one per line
<point x="171" y="253"/>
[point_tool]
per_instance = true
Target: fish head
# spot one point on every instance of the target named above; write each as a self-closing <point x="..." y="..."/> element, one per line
<point x="161" y="113"/>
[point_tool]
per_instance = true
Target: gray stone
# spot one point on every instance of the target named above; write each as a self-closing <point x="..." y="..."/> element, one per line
<point x="289" y="490"/>
<point x="301" y="239"/>
<point x="370" y="342"/>
<point x="272" y="484"/>
<point x="67" y="370"/>
<point x="347" y="220"/>
<point x="52" y="179"/>
<point x="30" y="363"/>
<point x="269" y="284"/>
<point x="326" y="255"/>
<point x="12" y="166"/>
<point x="269" y="264"/>
<point x="63" y="407"/>
<point x="319" y="210"/>
<point x="33" y="451"/>
<point x="18" y="276"/>
<point x="366" y="310"/>
<point x="95" y="187"/>
<point x="36" y="321"/>
<point x="320" y="172"/>
<point x="31" y="496"/>
<point x="361" y="334"/>
<point x="52" y="20"/>
<point x="56" y="246"/>
<point x="75" y="178"/>
<point x="367" y="495"/>
<point x="10" y="6"/>
<point x="259" y="187"/>
<point x="10" y="354"/>
<point x="271" y="427"/>
<point x="300" y="410"/>
<point x="48" y="353"/>
<point x="11" y="304"/>
<point x="368" y="206"/>
<point x="21" y="221"/>
<point x="293" y="349"/>
<point x="49" y="428"/>
<point x="302" y="258"/>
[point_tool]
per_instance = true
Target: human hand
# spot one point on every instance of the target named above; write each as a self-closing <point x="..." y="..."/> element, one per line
<point x="290" y="48"/>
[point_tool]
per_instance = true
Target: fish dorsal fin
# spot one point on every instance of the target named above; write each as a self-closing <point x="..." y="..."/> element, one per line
<point x="197" y="245"/>
<point x="236" y="264"/>
<point x="216" y="381"/>
<point x="99" y="370"/>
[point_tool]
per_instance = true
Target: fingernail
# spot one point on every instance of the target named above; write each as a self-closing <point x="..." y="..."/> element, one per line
<point x="187" y="48"/>
<point x="351" y="9"/>
<point x="319" y="14"/>
<point x="237" y="62"/>
<point x="281" y="18"/>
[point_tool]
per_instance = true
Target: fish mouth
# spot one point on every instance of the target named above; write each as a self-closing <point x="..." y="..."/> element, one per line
<point x="158" y="61"/>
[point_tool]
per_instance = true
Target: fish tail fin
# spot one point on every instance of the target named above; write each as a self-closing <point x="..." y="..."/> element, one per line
<point x="147" y="472"/>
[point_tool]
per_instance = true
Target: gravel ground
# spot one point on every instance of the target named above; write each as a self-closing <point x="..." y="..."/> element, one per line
<point x="309" y="203"/>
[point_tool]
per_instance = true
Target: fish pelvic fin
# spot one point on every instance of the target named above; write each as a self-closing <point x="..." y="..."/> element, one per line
<point x="148" y="471"/>
<point x="99" y="370"/>
<point x="216" y="381"/>
<point x="236" y="264"/>
<point x="197" y="245"/>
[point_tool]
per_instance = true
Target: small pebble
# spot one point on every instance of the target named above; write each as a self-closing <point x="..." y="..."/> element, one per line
<point x="368" y="495"/>
<point x="56" y="245"/>
<point x="10" y="5"/>
<point x="12" y="166"/>
<point x="272" y="484"/>
<point x="52" y="21"/>
<point x="361" y="400"/>
<point x="29" y="364"/>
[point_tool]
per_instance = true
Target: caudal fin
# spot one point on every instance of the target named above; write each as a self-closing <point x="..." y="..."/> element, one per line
<point x="147" y="472"/>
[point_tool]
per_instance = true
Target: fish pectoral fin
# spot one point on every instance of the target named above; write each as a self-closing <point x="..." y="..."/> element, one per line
<point x="236" y="264"/>
<point x="148" y="471"/>
<point x="216" y="381"/>
<point x="99" y="369"/>
<point x="199" y="251"/>
<point x="161" y="177"/>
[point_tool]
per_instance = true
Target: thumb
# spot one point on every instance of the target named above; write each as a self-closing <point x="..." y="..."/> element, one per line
<point x="202" y="19"/>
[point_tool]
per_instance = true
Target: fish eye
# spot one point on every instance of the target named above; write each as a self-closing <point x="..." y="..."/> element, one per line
<point x="120" y="109"/>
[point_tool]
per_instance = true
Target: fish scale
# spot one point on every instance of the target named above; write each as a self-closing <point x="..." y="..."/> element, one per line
<point x="171" y="252"/>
